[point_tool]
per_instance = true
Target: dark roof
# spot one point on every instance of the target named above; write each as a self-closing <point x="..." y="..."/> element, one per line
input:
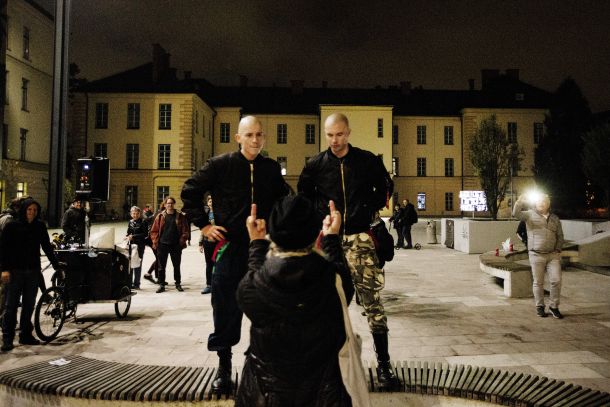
<point x="499" y="92"/>
<point x="41" y="9"/>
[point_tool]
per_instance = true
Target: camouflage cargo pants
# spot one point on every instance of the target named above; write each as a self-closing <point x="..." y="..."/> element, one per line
<point x="368" y="278"/>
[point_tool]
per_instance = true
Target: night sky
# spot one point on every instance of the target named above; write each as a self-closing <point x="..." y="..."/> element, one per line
<point x="435" y="44"/>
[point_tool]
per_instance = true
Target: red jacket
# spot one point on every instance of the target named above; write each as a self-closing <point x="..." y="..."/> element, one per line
<point x="182" y="224"/>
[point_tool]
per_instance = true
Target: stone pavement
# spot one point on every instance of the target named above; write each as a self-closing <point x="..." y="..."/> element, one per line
<point x="440" y="307"/>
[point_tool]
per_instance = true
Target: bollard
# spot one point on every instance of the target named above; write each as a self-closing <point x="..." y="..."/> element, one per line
<point x="431" y="232"/>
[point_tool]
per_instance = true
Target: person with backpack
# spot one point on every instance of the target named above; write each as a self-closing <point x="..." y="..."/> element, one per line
<point x="409" y="218"/>
<point x="358" y="183"/>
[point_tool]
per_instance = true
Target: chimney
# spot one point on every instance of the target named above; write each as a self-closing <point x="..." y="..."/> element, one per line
<point x="160" y="63"/>
<point x="297" y="86"/>
<point x="188" y="75"/>
<point x="243" y="81"/>
<point x="513" y="73"/>
<point x="324" y="84"/>
<point x="405" y="88"/>
<point x="470" y="84"/>
<point x="487" y="75"/>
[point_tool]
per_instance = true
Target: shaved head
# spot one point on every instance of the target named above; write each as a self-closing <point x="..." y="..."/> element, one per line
<point x="336" y="118"/>
<point x="246" y="122"/>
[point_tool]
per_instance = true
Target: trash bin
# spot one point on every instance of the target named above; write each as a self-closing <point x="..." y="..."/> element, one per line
<point x="431" y="232"/>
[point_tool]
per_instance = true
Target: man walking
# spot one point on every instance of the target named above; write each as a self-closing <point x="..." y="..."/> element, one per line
<point x="409" y="218"/>
<point x="544" y="243"/>
<point x="357" y="181"/>
<point x="236" y="181"/>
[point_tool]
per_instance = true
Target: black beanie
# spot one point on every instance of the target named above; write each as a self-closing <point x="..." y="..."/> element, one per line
<point x="292" y="223"/>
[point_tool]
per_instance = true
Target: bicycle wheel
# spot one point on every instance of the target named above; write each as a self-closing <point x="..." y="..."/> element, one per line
<point x="50" y="314"/>
<point x="121" y="307"/>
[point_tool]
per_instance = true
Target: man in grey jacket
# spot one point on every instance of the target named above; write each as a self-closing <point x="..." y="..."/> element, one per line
<point x="544" y="242"/>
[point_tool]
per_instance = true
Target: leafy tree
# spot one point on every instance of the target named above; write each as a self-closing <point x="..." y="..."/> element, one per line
<point x="557" y="160"/>
<point x="492" y="157"/>
<point x="596" y="158"/>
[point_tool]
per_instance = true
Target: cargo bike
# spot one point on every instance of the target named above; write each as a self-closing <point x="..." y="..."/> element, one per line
<point x="87" y="276"/>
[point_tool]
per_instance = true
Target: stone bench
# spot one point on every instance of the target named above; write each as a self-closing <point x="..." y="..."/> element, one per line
<point x="83" y="380"/>
<point x="517" y="277"/>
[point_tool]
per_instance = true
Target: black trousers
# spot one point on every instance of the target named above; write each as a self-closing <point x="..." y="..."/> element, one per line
<point x="406" y="232"/>
<point x="175" y="253"/>
<point x="229" y="270"/>
<point x="23" y="285"/>
<point x="208" y="252"/>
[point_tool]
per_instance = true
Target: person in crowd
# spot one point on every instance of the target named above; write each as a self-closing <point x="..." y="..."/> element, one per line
<point x="357" y="181"/>
<point x="409" y="218"/>
<point x="236" y="180"/>
<point x="207" y="248"/>
<point x="544" y="243"/>
<point x="148" y="212"/>
<point x="169" y="234"/>
<point x="153" y="267"/>
<point x="289" y="294"/>
<point x="137" y="231"/>
<point x="20" y="246"/>
<point x="73" y="223"/>
<point x="396" y="222"/>
<point x="8" y="215"/>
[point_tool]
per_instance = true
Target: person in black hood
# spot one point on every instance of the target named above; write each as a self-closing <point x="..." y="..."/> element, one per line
<point x="20" y="264"/>
<point x="73" y="223"/>
<point x="235" y="180"/>
<point x="289" y="295"/>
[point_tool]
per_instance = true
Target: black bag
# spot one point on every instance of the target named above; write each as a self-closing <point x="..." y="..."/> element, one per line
<point x="384" y="242"/>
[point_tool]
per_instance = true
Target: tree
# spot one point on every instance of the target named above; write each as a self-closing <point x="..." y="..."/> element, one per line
<point x="493" y="157"/>
<point x="596" y="158"/>
<point x="557" y="160"/>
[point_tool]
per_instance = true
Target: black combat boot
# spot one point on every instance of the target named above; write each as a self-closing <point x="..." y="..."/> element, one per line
<point x="222" y="381"/>
<point x="385" y="374"/>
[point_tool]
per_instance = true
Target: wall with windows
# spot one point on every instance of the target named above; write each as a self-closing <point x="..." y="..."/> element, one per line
<point x="226" y="122"/>
<point x="27" y="120"/>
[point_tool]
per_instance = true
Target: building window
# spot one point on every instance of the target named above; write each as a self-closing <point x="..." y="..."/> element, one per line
<point x="380" y="128"/>
<point x="133" y="115"/>
<point x="100" y="150"/>
<point x="448" y="135"/>
<point x="448" y="167"/>
<point x="23" y="138"/>
<point x="512" y="132"/>
<point x="421" y="201"/>
<point x="165" y="116"/>
<point x="131" y="195"/>
<point x="282" y="133"/>
<point x="26" y="43"/>
<point x="196" y="121"/>
<point x="162" y="193"/>
<point x="310" y="134"/>
<point x="395" y="134"/>
<point x="225" y="132"/>
<point x="448" y="201"/>
<point x="164" y="156"/>
<point x="22" y="189"/>
<point x="538" y="132"/>
<point x="101" y="115"/>
<point x="133" y="156"/>
<point x="25" y="84"/>
<point x="421" y="167"/>
<point x="514" y="167"/>
<point x="395" y="165"/>
<point x="283" y="162"/>
<point x="421" y="134"/>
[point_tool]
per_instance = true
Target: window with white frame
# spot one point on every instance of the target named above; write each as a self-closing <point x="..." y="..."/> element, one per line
<point x="164" y="157"/>
<point x="133" y="156"/>
<point x="448" y="167"/>
<point x="448" y="135"/>
<point x="162" y="193"/>
<point x="310" y="134"/>
<point x="282" y="133"/>
<point x="225" y="132"/>
<point x="165" y="116"/>
<point x="421" y="134"/>
<point x="100" y="150"/>
<point x="380" y="128"/>
<point x="421" y="167"/>
<point x="101" y="115"/>
<point x="23" y="142"/>
<point x="133" y="115"/>
<point x="26" y="43"/>
<point x="25" y="85"/>
<point x="22" y="189"/>
<point x="448" y="201"/>
<point x="512" y="132"/>
<point x="131" y="195"/>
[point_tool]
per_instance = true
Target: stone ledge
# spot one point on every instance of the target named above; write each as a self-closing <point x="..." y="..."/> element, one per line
<point x="90" y="379"/>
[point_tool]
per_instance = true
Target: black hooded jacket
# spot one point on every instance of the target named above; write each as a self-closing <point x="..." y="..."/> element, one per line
<point x="297" y="326"/>
<point x="358" y="182"/>
<point x="235" y="183"/>
<point x="21" y="242"/>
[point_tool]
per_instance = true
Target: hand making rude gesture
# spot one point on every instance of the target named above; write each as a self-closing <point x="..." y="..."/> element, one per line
<point x="332" y="222"/>
<point x="256" y="227"/>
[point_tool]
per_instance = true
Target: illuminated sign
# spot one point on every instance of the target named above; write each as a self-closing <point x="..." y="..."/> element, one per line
<point x="473" y="201"/>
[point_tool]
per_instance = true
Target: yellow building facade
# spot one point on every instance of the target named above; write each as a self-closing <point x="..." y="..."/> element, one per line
<point x="27" y="116"/>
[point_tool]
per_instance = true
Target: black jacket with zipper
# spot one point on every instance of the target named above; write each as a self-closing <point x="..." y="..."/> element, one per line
<point x="358" y="181"/>
<point x="235" y="183"/>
